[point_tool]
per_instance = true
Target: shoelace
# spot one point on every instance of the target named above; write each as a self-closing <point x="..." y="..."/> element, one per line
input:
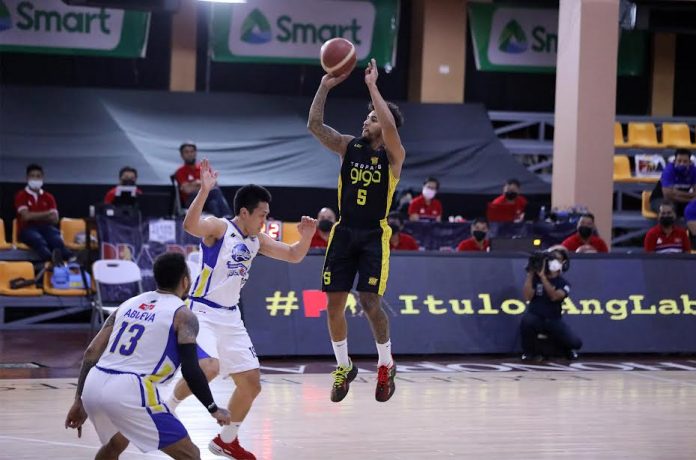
<point x="340" y="375"/>
<point x="383" y="375"/>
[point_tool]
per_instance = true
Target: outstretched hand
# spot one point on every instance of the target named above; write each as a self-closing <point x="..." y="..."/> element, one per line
<point x="307" y="226"/>
<point x="371" y="73"/>
<point x="208" y="176"/>
<point x="329" y="81"/>
<point x="76" y="417"/>
<point x="222" y="416"/>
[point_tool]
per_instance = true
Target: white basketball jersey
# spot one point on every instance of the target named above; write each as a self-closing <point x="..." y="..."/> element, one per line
<point x="143" y="341"/>
<point x="225" y="267"/>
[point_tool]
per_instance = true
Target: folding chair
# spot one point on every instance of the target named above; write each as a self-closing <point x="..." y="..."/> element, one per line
<point x="112" y="272"/>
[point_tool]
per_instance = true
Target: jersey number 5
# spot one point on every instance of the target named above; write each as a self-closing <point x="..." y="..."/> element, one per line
<point x="136" y="331"/>
<point x="362" y="196"/>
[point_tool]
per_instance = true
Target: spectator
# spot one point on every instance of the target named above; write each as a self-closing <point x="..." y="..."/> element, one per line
<point x="586" y="238"/>
<point x="426" y="206"/>
<point x="666" y="237"/>
<point x="399" y="240"/>
<point x="37" y="215"/>
<point x="127" y="177"/>
<point x="479" y="238"/>
<point x="678" y="181"/>
<point x="690" y="217"/>
<point x="325" y="222"/>
<point x="511" y="197"/>
<point x="402" y="201"/>
<point x="188" y="176"/>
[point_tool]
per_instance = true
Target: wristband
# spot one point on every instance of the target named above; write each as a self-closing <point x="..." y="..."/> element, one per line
<point x="212" y="408"/>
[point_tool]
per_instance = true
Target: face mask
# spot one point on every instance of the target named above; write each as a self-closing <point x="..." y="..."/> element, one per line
<point x="428" y="193"/>
<point x="479" y="235"/>
<point x="555" y="266"/>
<point x="585" y="232"/>
<point x="35" y="184"/>
<point x="190" y="162"/>
<point x="395" y="228"/>
<point x="128" y="182"/>
<point x="511" y="195"/>
<point x="325" y="225"/>
<point x="667" y="221"/>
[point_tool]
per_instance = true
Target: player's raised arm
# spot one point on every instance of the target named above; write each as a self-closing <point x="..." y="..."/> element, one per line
<point x="186" y="327"/>
<point x="289" y="252"/>
<point x="390" y="133"/>
<point x="211" y="227"/>
<point x="329" y="137"/>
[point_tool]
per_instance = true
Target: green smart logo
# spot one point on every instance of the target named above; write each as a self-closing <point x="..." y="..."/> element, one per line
<point x="256" y="29"/>
<point x="5" y="18"/>
<point x="512" y="39"/>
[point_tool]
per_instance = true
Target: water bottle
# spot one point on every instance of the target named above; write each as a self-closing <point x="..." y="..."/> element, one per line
<point x="542" y="214"/>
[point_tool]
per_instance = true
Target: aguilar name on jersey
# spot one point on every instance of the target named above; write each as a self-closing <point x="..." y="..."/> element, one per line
<point x="365" y="186"/>
<point x="225" y="267"/>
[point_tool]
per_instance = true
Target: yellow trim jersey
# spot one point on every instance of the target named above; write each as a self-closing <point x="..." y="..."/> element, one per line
<point x="365" y="186"/>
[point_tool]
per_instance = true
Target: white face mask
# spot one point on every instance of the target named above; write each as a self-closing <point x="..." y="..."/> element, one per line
<point x="555" y="266"/>
<point x="35" y="184"/>
<point x="428" y="193"/>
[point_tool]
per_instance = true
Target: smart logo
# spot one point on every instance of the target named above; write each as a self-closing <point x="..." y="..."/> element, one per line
<point x="256" y="29"/>
<point x="512" y="39"/>
<point x="5" y="18"/>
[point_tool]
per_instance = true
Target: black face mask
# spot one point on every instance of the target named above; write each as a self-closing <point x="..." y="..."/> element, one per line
<point x="192" y="161"/>
<point x="128" y="182"/>
<point x="325" y="225"/>
<point x="395" y="228"/>
<point x="667" y="221"/>
<point x="479" y="235"/>
<point x="511" y="195"/>
<point x="585" y="232"/>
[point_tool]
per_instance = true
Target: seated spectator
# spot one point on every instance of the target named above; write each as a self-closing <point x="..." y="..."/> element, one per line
<point x="678" y="181"/>
<point x="426" y="206"/>
<point x="402" y="201"/>
<point x="586" y="238"/>
<point x="188" y="176"/>
<point x="37" y="216"/>
<point x="690" y="217"/>
<point x="511" y="197"/>
<point x="399" y="240"/>
<point x="325" y="222"/>
<point x="666" y="237"/>
<point x="127" y="177"/>
<point x="479" y="237"/>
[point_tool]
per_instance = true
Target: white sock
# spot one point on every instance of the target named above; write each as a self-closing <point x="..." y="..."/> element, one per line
<point x="384" y="351"/>
<point x="172" y="403"/>
<point x="340" y="349"/>
<point x="229" y="432"/>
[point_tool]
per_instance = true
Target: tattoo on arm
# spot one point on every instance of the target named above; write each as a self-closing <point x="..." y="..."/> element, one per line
<point x="325" y="134"/>
<point x="187" y="327"/>
<point x="94" y="352"/>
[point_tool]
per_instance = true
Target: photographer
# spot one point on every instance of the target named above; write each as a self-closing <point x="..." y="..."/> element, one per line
<point x="545" y="289"/>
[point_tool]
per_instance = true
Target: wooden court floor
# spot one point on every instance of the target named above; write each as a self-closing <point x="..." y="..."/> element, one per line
<point x="433" y="415"/>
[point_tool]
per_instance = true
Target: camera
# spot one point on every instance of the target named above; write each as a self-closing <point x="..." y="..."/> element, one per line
<point x="537" y="261"/>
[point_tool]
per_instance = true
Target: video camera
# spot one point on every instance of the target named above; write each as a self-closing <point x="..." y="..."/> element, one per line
<point x="537" y="261"/>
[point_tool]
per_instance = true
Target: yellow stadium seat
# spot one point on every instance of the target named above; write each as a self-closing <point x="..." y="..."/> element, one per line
<point x="3" y="240"/>
<point x="13" y="270"/>
<point x="676" y="135"/>
<point x="622" y="168"/>
<point x="618" y="136"/>
<point x="290" y="233"/>
<point x="15" y="237"/>
<point x="48" y="289"/>
<point x="645" y="209"/>
<point x="642" y="135"/>
<point x="70" y="227"/>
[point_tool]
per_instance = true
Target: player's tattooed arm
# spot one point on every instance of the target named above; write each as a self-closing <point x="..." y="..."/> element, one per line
<point x="94" y="351"/>
<point x="329" y="137"/>
<point x="186" y="325"/>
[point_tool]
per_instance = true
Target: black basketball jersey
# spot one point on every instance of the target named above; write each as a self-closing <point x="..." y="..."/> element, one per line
<point x="365" y="186"/>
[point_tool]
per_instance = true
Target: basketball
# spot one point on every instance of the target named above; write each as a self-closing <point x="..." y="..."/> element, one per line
<point x="338" y="56"/>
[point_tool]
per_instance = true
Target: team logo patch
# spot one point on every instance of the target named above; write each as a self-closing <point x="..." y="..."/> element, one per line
<point x="372" y="281"/>
<point x="240" y="253"/>
<point x="374" y="161"/>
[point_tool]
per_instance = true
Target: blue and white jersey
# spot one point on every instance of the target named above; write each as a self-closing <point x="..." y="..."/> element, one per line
<point x="143" y="340"/>
<point x="225" y="268"/>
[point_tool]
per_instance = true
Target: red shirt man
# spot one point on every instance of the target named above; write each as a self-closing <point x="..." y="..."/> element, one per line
<point x="404" y="242"/>
<point x="426" y="206"/>
<point x="326" y="219"/>
<point x="478" y="241"/>
<point x="34" y="201"/>
<point x="511" y="196"/>
<point x="189" y="178"/>
<point x="584" y="240"/>
<point x="127" y="176"/>
<point x="665" y="237"/>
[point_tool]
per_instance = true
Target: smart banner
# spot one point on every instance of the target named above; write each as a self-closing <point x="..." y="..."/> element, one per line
<point x="293" y="31"/>
<point x="50" y="26"/>
<point x="455" y="303"/>
<point x="519" y="39"/>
